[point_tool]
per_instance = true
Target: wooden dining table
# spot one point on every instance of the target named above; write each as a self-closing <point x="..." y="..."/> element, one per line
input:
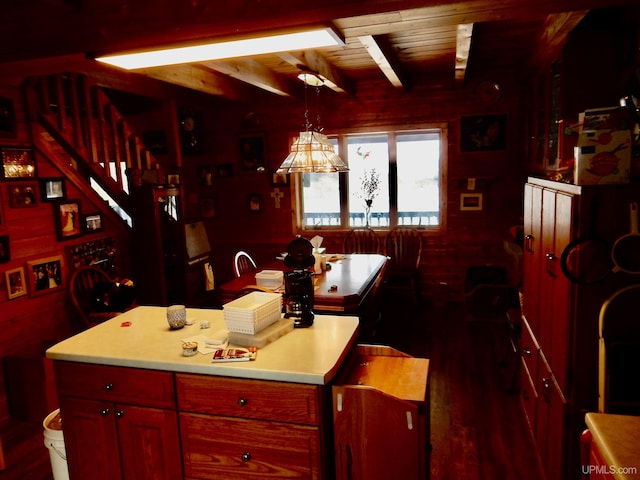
<point x="350" y="281"/>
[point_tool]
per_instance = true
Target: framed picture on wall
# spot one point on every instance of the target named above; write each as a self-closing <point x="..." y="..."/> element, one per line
<point x="66" y="215"/>
<point x="470" y="201"/>
<point x="252" y="153"/>
<point x="207" y="207"/>
<point x="279" y="179"/>
<point x="22" y="194"/>
<point x="5" y="254"/>
<point x="45" y="275"/>
<point x="92" y="223"/>
<point x="7" y="118"/>
<point x="254" y="202"/>
<point x="16" y="285"/>
<point x="480" y="133"/>
<point x="52" y="189"/>
<point x="17" y="163"/>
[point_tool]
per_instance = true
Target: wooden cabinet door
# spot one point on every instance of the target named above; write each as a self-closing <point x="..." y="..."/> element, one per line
<point x="532" y="256"/>
<point x="551" y="428"/>
<point x="149" y="443"/>
<point x="561" y="292"/>
<point x="91" y="439"/>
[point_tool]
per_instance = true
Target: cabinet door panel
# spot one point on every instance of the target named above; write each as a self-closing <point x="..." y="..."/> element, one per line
<point x="237" y="449"/>
<point x="149" y="443"/>
<point x="532" y="256"/>
<point x="91" y="440"/>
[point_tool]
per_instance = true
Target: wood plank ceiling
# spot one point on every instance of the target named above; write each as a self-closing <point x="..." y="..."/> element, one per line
<point x="446" y="43"/>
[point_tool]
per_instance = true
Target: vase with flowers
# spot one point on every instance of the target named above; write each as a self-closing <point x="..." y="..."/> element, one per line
<point x="369" y="189"/>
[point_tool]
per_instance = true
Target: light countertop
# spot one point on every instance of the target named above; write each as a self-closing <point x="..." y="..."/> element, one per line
<point x="616" y="437"/>
<point x="306" y="355"/>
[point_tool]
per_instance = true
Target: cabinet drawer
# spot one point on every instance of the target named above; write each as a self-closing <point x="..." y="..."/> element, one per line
<point x="280" y="401"/>
<point x="528" y="395"/>
<point x="115" y="384"/>
<point x="529" y="350"/>
<point x="237" y="449"/>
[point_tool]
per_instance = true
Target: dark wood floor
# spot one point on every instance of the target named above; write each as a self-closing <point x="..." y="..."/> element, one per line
<point x="477" y="431"/>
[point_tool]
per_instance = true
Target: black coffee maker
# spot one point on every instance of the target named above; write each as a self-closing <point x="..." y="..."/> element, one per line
<point x="298" y="284"/>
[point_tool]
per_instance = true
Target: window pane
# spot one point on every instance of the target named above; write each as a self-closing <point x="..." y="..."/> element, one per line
<point x="418" y="159"/>
<point x="368" y="156"/>
<point x="321" y="198"/>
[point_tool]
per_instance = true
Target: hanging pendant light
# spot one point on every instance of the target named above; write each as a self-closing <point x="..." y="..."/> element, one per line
<point x="311" y="151"/>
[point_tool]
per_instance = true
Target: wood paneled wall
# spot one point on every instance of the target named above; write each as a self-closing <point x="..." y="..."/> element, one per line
<point x="30" y="324"/>
<point x="471" y="238"/>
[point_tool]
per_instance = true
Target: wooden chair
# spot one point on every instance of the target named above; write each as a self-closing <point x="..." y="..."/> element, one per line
<point x="361" y="240"/>
<point x="619" y="353"/>
<point x="243" y="263"/>
<point x="82" y="285"/>
<point x="403" y="246"/>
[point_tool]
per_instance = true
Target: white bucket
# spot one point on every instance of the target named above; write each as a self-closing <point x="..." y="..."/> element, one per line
<point x="54" y="441"/>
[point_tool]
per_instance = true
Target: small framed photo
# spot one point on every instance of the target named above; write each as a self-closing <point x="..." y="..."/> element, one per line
<point x="17" y="163"/>
<point x="207" y="207"/>
<point x="5" y="254"/>
<point x="470" y="201"/>
<point x="92" y="223"/>
<point x="52" y="189"/>
<point x="205" y="176"/>
<point x="45" y="275"/>
<point x="481" y="133"/>
<point x="66" y="214"/>
<point x="7" y="118"/>
<point x="252" y="153"/>
<point x="16" y="285"/>
<point x="224" y="170"/>
<point x="279" y="179"/>
<point x="255" y="203"/>
<point x="173" y="179"/>
<point x="22" y="194"/>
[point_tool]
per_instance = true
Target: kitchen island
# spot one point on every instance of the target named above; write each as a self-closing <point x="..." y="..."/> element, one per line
<point x="134" y="407"/>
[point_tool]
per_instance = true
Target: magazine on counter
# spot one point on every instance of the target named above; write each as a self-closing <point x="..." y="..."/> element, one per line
<point x="238" y="354"/>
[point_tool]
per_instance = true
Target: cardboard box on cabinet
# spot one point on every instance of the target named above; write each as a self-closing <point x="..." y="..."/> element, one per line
<point x="603" y="157"/>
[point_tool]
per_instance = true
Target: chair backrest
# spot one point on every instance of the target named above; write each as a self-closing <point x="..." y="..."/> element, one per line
<point x="403" y="246"/>
<point x="361" y="240"/>
<point x="243" y="263"/>
<point x="81" y="291"/>
<point x="619" y="353"/>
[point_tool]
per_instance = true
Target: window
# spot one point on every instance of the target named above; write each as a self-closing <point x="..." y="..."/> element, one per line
<point x="394" y="178"/>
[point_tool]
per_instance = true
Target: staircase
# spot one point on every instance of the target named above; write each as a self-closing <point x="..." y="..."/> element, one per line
<point x="74" y="119"/>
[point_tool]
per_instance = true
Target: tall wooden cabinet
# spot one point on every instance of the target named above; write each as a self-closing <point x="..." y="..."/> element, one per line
<point x="560" y="315"/>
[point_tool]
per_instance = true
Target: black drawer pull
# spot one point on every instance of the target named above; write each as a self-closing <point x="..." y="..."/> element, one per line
<point x="242" y="402"/>
<point x="108" y="387"/>
<point x="246" y="456"/>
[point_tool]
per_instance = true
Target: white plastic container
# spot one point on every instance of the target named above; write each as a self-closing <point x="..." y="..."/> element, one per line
<point x="54" y="441"/>
<point x="253" y="312"/>
<point x="269" y="278"/>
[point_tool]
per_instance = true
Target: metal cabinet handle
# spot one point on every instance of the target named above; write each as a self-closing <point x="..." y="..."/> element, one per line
<point x="550" y="259"/>
<point x="104" y="412"/>
<point x="526" y="351"/>
<point x="120" y="414"/>
<point x="529" y="242"/>
<point x="246" y="456"/>
<point x="108" y="387"/>
<point x="546" y="389"/>
<point x="242" y="401"/>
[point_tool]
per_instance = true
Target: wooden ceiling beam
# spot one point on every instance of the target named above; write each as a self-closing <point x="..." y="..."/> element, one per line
<point x="383" y="54"/>
<point x="197" y="78"/>
<point x="256" y="74"/>
<point x="463" y="48"/>
<point x="557" y="28"/>
<point x="333" y="77"/>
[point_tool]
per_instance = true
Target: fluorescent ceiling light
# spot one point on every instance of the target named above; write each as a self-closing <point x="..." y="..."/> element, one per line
<point x="320" y="37"/>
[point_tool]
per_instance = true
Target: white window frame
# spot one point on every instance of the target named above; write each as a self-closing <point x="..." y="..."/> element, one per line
<point x="342" y="137"/>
